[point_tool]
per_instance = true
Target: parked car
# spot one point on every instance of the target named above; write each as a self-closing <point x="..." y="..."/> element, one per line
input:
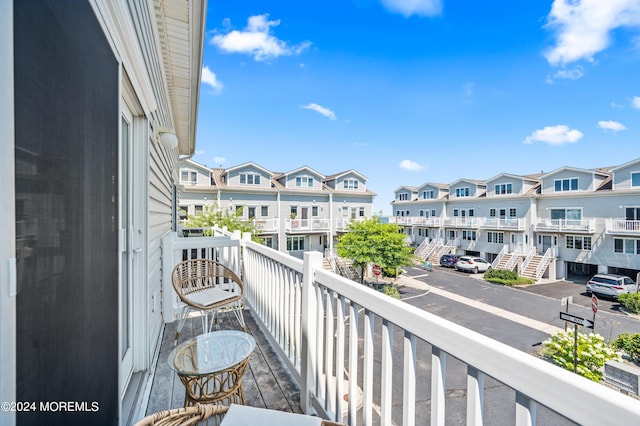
<point x="448" y="260"/>
<point x="472" y="264"/>
<point x="610" y="285"/>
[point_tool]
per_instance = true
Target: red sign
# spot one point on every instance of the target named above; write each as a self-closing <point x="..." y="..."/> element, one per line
<point x="594" y="304"/>
<point x="376" y="269"/>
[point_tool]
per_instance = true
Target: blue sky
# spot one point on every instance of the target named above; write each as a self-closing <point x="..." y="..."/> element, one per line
<point x="414" y="91"/>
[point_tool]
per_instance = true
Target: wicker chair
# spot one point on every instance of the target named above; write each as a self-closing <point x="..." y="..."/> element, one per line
<point x="207" y="286"/>
<point x="211" y="413"/>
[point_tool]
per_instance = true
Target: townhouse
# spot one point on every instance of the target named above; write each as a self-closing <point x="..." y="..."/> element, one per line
<point x="295" y="211"/>
<point x="564" y="222"/>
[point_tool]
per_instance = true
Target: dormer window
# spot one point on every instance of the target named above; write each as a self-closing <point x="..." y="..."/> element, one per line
<point x="503" y="188"/>
<point x="188" y="176"/>
<point x="561" y="185"/>
<point x="249" y="179"/>
<point x="462" y="192"/>
<point x="304" y="182"/>
<point x="403" y="197"/>
<point x="635" y="180"/>
<point x="428" y="195"/>
<point x="350" y="184"/>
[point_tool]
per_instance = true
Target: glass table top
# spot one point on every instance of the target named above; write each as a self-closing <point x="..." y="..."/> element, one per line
<point x="211" y="352"/>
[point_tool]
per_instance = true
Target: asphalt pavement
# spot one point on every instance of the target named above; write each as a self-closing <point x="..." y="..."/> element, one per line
<point x="536" y="306"/>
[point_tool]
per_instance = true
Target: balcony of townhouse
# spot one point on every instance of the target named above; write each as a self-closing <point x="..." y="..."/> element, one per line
<point x="357" y="356"/>
<point x="463" y="222"/>
<point x="586" y="226"/>
<point x="265" y="226"/>
<point x="341" y="224"/>
<point x="622" y="227"/>
<point x="503" y="224"/>
<point x="428" y="222"/>
<point x="293" y="226"/>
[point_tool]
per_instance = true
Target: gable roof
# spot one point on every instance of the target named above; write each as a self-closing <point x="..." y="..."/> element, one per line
<point x="627" y="164"/>
<point x="247" y="165"/>
<point x="299" y="169"/>
<point x="337" y="175"/>
<point x="196" y="164"/>
<point x="600" y="172"/>
<point x="471" y="181"/>
<point x="519" y="177"/>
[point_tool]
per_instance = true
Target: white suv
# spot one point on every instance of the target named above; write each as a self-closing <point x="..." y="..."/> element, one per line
<point x="609" y="285"/>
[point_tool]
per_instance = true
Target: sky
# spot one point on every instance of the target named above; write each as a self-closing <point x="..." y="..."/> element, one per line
<point x="413" y="91"/>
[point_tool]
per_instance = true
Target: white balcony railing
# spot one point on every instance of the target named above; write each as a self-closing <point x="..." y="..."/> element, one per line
<point x="622" y="227"/>
<point x="432" y="222"/>
<point x="566" y="225"/>
<point x="463" y="222"/>
<point x="516" y="224"/>
<point x="307" y="225"/>
<point x="337" y="338"/>
<point x="341" y="224"/>
<point x="266" y="225"/>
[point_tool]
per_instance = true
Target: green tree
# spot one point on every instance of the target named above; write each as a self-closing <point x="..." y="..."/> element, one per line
<point x="212" y="216"/>
<point x="371" y="241"/>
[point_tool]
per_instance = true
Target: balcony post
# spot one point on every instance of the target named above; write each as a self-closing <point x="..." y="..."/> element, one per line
<point x="308" y="365"/>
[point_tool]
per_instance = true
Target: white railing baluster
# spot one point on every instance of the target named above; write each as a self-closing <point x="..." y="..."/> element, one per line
<point x="386" y="367"/>
<point x="329" y="303"/>
<point x="367" y="369"/>
<point x="321" y="376"/>
<point x="409" y="382"/>
<point x="297" y="333"/>
<point x="475" y="396"/>
<point x="525" y="410"/>
<point x="340" y="359"/>
<point x="438" y="378"/>
<point x="353" y="363"/>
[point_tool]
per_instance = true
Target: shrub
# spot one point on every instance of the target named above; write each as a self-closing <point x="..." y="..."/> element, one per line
<point x="630" y="344"/>
<point x="392" y="291"/>
<point x="390" y="272"/>
<point x="503" y="274"/>
<point x="506" y="277"/>
<point x="593" y="353"/>
<point x="631" y="301"/>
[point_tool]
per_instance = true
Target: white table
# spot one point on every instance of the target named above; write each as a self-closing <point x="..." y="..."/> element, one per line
<point x="241" y="415"/>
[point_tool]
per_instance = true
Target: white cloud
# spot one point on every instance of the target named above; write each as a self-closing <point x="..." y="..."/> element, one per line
<point x="219" y="160"/>
<point x="582" y="28"/>
<point x="555" y="135"/>
<point x="635" y="102"/>
<point x="256" y="39"/>
<point x="412" y="166"/>
<point x="321" y="110"/>
<point x="210" y="78"/>
<point x="611" y="125"/>
<point x="413" y="7"/>
<point x="200" y="152"/>
<point x="567" y="74"/>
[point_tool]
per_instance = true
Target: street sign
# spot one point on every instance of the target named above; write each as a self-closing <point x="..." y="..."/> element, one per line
<point x="576" y="320"/>
<point x="566" y="300"/>
<point x="594" y="304"/>
<point x="376" y="269"/>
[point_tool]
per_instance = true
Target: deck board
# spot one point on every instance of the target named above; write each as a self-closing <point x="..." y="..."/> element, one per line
<point x="267" y="383"/>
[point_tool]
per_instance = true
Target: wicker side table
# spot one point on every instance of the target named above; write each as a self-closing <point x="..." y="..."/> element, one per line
<point x="211" y="366"/>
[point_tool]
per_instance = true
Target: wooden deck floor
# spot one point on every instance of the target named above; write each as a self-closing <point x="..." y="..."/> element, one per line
<point x="267" y="383"/>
